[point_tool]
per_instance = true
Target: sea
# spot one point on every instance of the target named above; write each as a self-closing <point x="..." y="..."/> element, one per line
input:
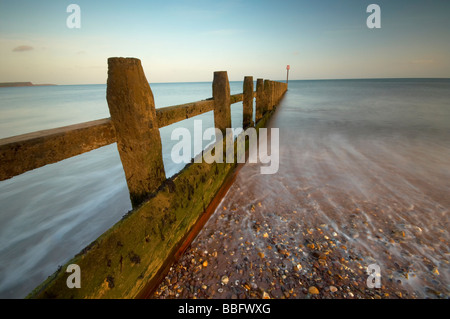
<point x="387" y="140"/>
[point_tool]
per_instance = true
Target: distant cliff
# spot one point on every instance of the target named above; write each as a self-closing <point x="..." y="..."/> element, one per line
<point x="13" y="84"/>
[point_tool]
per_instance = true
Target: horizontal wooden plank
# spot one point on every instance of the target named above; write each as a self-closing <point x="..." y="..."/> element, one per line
<point x="236" y="98"/>
<point x="172" y="114"/>
<point x="25" y="152"/>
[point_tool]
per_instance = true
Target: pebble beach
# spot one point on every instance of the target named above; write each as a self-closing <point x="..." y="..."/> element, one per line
<point x="360" y="183"/>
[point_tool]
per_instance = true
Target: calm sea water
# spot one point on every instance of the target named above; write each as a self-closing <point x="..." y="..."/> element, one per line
<point x="49" y="214"/>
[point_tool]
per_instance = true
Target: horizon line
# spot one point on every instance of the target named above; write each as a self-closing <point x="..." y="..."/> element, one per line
<point x="283" y="81"/>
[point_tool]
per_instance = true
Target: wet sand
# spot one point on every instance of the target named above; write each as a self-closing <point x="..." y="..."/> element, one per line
<point x="344" y="198"/>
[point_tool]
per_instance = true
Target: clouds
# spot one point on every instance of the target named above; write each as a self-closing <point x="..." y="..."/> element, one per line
<point x="23" y="48"/>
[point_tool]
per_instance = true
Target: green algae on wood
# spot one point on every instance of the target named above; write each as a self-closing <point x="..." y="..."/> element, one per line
<point x="121" y="261"/>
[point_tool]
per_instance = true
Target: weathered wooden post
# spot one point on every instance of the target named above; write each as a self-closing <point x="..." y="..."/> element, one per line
<point x="272" y="94"/>
<point x="221" y="96"/>
<point x="268" y="92"/>
<point x="248" y="102"/>
<point x="133" y="115"/>
<point x="278" y="92"/>
<point x="275" y="93"/>
<point x="260" y="100"/>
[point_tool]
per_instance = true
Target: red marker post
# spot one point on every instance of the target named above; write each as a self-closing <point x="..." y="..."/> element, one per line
<point x="287" y="76"/>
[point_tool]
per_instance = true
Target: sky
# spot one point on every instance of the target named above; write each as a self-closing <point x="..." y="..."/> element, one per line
<point x="187" y="40"/>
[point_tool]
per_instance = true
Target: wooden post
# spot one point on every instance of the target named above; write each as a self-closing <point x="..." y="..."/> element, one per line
<point x="268" y="93"/>
<point x="247" y="102"/>
<point x="276" y="93"/>
<point x="221" y="96"/>
<point x="132" y="109"/>
<point x="273" y="96"/>
<point x="259" y="100"/>
<point x="280" y="91"/>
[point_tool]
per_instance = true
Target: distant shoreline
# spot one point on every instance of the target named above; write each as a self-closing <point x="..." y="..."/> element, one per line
<point x="21" y="84"/>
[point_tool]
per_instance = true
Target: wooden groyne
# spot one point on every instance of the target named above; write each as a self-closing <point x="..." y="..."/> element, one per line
<point x="125" y="259"/>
